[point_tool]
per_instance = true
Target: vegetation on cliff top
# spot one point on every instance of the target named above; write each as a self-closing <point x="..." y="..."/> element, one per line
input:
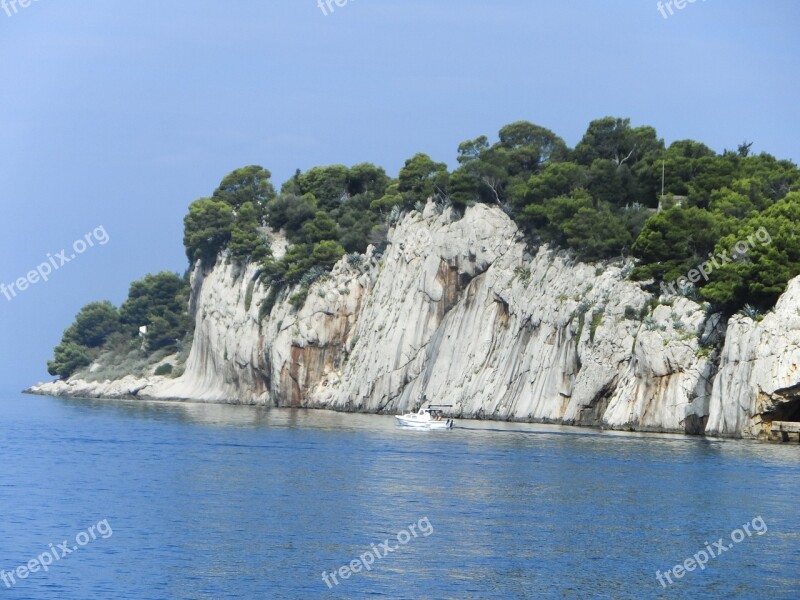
<point x="158" y="302"/>
<point x="600" y="200"/>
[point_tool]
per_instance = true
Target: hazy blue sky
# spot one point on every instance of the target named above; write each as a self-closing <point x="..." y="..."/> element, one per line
<point x="119" y="114"/>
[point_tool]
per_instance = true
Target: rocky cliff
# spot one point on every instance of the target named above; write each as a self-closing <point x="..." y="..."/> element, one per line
<point x="458" y="311"/>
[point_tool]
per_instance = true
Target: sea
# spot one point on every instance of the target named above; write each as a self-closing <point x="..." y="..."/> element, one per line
<point x="160" y="500"/>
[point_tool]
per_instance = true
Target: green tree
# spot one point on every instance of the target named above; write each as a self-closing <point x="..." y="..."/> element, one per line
<point x="547" y="219"/>
<point x="644" y="169"/>
<point x="612" y="183"/>
<point x="733" y="203"/>
<point x="391" y="198"/>
<point x="68" y="358"/>
<point x="366" y="178"/>
<point x="678" y="165"/>
<point x="464" y="187"/>
<point x="247" y="242"/>
<point x="776" y="177"/>
<point x="93" y="324"/>
<point x="557" y="179"/>
<point x="290" y="212"/>
<point x="207" y="229"/>
<point x="499" y="173"/>
<point x="596" y="233"/>
<point x="329" y="185"/>
<point x="299" y="260"/>
<point x="356" y="221"/>
<point x="608" y="138"/>
<point x="326" y="254"/>
<point x="248" y="184"/>
<point x="491" y="175"/>
<point x="472" y="150"/>
<point x="159" y="302"/>
<point x="767" y="257"/>
<point x="527" y="148"/>
<point x="165" y="331"/>
<point x="711" y="173"/>
<point x="321" y="227"/>
<point x="676" y="240"/>
<point x="420" y="178"/>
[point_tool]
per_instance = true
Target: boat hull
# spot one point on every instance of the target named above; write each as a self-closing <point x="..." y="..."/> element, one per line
<point x="404" y="421"/>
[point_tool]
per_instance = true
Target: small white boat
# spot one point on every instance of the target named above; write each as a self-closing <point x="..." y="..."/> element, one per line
<point x="425" y="418"/>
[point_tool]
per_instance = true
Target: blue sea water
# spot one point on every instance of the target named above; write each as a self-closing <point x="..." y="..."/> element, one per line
<point x="208" y="501"/>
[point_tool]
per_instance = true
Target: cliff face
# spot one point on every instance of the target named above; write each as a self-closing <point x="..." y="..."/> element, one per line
<point x="457" y="311"/>
<point x="757" y="381"/>
<point x="461" y="315"/>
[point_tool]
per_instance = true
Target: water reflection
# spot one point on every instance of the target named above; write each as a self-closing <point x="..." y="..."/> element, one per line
<point x="216" y="501"/>
<point x="511" y="434"/>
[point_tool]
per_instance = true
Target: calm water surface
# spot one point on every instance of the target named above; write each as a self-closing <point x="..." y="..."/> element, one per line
<point x="207" y="501"/>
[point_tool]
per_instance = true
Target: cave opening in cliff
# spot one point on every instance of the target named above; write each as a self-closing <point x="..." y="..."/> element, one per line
<point x="787" y="411"/>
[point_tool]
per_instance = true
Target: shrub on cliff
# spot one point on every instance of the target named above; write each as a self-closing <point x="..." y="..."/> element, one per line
<point x="231" y="218"/>
<point x="419" y="179"/>
<point x="290" y="212"/>
<point x="158" y="302"/>
<point x="765" y="252"/>
<point x="94" y="324"/>
<point x="247" y="240"/>
<point x="246" y="185"/>
<point x="207" y="229"/>
<point x="675" y="241"/>
<point x="68" y="358"/>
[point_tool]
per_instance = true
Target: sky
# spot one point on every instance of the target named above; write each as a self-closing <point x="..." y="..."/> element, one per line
<point x="116" y="115"/>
